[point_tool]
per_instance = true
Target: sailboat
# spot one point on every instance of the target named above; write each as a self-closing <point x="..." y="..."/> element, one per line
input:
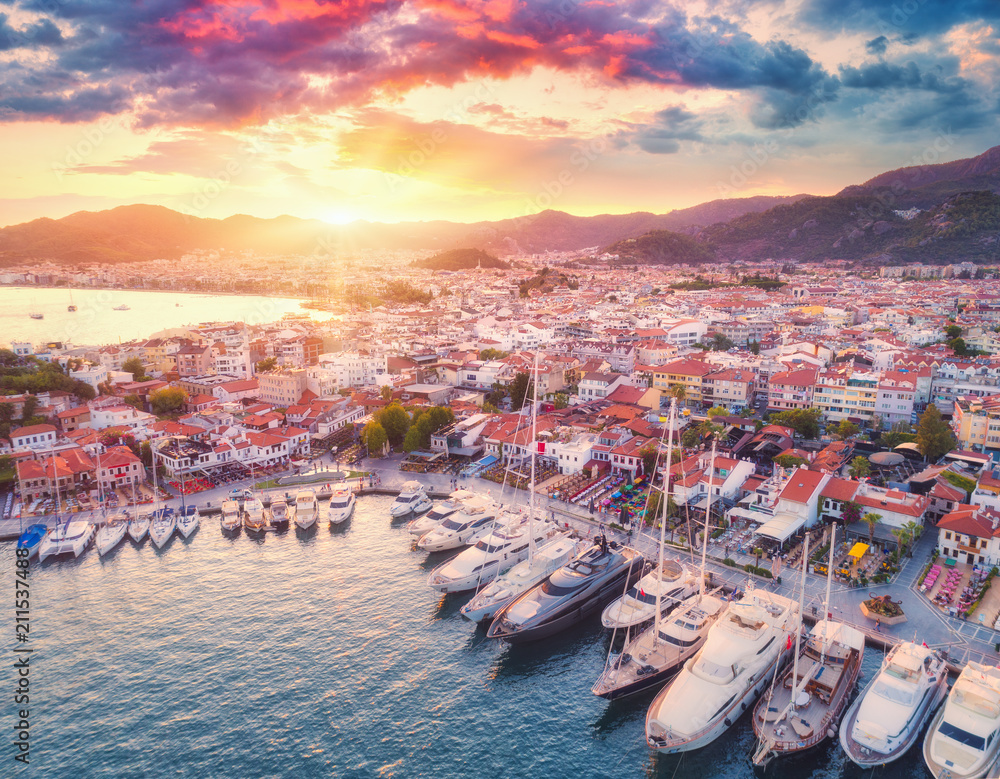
<point x="161" y="528"/>
<point x="541" y="561"/>
<point x="71" y="307"/>
<point x="658" y="652"/>
<point x="806" y="702"/>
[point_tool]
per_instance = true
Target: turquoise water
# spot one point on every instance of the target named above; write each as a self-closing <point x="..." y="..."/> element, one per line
<point x="323" y="655"/>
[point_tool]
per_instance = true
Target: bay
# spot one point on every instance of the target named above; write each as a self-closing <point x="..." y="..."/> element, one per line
<point x="95" y="322"/>
<point x="326" y="655"/>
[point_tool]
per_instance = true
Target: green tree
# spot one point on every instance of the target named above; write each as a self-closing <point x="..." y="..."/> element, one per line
<point x="934" y="437"/>
<point x="691" y="437"/>
<point x="561" y="400"/>
<point x="758" y="552"/>
<point x="860" y="467"/>
<point x="677" y="391"/>
<point x="394" y="421"/>
<point x="754" y="347"/>
<point x="805" y="421"/>
<point x="28" y="408"/>
<point x="720" y="343"/>
<point x="374" y="438"/>
<point x="386" y="393"/>
<point x="953" y="332"/>
<point x="520" y="390"/>
<point x="492" y="354"/>
<point x="871" y="519"/>
<point x="135" y="402"/>
<point x="267" y="364"/>
<point x="134" y="366"/>
<point x="648" y="455"/>
<point x="847" y="429"/>
<point x="167" y="400"/>
<point x="789" y="461"/>
<point x="716" y="411"/>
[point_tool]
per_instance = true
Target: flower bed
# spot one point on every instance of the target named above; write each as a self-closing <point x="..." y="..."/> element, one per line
<point x="882" y="608"/>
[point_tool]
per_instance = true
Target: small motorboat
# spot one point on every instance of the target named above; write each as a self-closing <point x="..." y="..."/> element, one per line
<point x="31" y="538"/>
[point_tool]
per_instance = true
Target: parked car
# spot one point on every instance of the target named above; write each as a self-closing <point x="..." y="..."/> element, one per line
<point x="240" y="493"/>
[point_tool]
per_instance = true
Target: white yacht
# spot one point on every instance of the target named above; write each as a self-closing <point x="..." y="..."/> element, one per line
<point x="492" y="555"/>
<point x="963" y="741"/>
<point x="111" y="533"/>
<point x="188" y="522"/>
<point x="521" y="578"/>
<point x="412" y="499"/>
<point x="138" y="528"/>
<point x="439" y="513"/>
<point x="652" y="657"/>
<point x="341" y="505"/>
<point x="888" y="717"/>
<point x="68" y="538"/>
<point x="231" y="515"/>
<point x="464" y="527"/>
<point x="306" y="508"/>
<point x="727" y="674"/>
<point x="254" y="520"/>
<point x="162" y="528"/>
<point x="675" y="581"/>
<point x="278" y="514"/>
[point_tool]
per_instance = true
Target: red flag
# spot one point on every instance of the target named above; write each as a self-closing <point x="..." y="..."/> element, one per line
<point x="788" y="644"/>
<point x="642" y="593"/>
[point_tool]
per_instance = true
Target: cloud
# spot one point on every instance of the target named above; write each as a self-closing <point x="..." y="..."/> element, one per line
<point x="877" y="45"/>
<point x="896" y="18"/>
<point x="663" y="134"/>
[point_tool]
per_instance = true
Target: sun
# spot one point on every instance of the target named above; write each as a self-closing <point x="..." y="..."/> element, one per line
<point x="339" y="217"/>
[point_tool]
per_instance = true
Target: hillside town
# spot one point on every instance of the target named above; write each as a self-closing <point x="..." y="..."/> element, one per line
<point x="831" y="396"/>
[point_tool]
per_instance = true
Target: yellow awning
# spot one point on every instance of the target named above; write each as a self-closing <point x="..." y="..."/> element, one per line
<point x="858" y="550"/>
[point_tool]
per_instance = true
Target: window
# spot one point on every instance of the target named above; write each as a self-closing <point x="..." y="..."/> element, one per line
<point x="947" y="536"/>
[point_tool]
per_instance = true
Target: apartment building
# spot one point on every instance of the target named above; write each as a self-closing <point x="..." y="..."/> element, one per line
<point x="791" y="389"/>
<point x="687" y="373"/>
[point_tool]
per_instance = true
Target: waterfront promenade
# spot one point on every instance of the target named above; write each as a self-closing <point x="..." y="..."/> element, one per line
<point x="925" y="622"/>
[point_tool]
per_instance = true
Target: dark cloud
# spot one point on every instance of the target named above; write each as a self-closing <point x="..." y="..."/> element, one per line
<point x="664" y="133"/>
<point x="877" y="45"/>
<point x="43" y="33"/>
<point x="885" y="75"/>
<point x="897" y="18"/>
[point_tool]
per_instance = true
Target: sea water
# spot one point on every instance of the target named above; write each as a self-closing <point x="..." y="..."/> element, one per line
<point x="323" y="654"/>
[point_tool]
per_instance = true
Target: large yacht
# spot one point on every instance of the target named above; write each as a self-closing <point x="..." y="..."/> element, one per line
<point x="162" y="528"/>
<point x="439" y="513"/>
<point x="111" y="533"/>
<point x="526" y="574"/>
<point x="674" y="581"/>
<point x="963" y="741"/>
<point x="652" y="657"/>
<point x="727" y="674"/>
<point x="472" y="522"/>
<point x="306" y="508"/>
<point x="805" y="703"/>
<point x="570" y="594"/>
<point x="492" y="555"/>
<point x="888" y="717"/>
<point x="341" y="505"/>
<point x="69" y="538"/>
<point x="231" y="515"/>
<point x="412" y="499"/>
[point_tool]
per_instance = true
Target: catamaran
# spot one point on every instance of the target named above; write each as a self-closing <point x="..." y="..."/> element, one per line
<point x="69" y="538"/>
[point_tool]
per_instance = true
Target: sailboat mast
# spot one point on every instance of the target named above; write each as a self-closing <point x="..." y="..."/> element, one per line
<point x="708" y="515"/>
<point x="829" y="580"/>
<point x="671" y="418"/>
<point x="534" y="447"/>
<point x="798" y="629"/>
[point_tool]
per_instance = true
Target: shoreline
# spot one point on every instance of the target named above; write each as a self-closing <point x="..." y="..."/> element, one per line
<point x="208" y="293"/>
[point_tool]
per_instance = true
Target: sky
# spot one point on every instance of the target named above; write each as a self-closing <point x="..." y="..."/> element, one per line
<point x="397" y="110"/>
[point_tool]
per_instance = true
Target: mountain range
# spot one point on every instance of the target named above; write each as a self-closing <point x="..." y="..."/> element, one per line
<point x="946" y="211"/>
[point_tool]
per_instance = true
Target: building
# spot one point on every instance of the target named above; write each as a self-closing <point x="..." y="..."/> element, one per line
<point x="970" y="534"/>
<point x="976" y="423"/>
<point x="791" y="389"/>
<point x="283" y="387"/>
<point x="36" y="437"/>
<point x="729" y="388"/>
<point x="685" y="373"/>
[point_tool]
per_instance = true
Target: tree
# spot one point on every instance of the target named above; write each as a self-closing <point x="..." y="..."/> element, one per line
<point x="561" y="400"/>
<point x="648" y="455"/>
<point x="386" y="393"/>
<point x="520" y="390"/>
<point x="847" y="429"/>
<point x="268" y="364"/>
<point x="394" y="422"/>
<point x="860" y="467"/>
<point x="168" y="400"/>
<point x="758" y="553"/>
<point x="789" y="461"/>
<point x="716" y="411"/>
<point x="492" y="354"/>
<point x="720" y="343"/>
<point x="754" y="347"/>
<point x="134" y="366"/>
<point x="677" y="391"/>
<point x="851" y="512"/>
<point x="691" y="437"/>
<point x="934" y="437"/>
<point x="373" y="436"/>
<point x="28" y="408"/>
<point x="135" y="402"/>
<point x="871" y="519"/>
<point x="804" y="421"/>
<point x="953" y="332"/>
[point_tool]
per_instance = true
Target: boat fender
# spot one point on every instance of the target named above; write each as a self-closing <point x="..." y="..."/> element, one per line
<point x="743" y="706"/>
<point x="728" y="722"/>
<point x="831" y="732"/>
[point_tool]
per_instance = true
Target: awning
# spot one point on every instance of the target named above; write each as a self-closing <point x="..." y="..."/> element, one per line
<point x="858" y="550"/>
<point x="781" y="527"/>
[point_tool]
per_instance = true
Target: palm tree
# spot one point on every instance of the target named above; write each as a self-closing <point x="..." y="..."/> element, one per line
<point x="871" y="519"/>
<point x="914" y="529"/>
<point x="678" y="391"/>
<point x="758" y="553"/>
<point x="902" y="538"/>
